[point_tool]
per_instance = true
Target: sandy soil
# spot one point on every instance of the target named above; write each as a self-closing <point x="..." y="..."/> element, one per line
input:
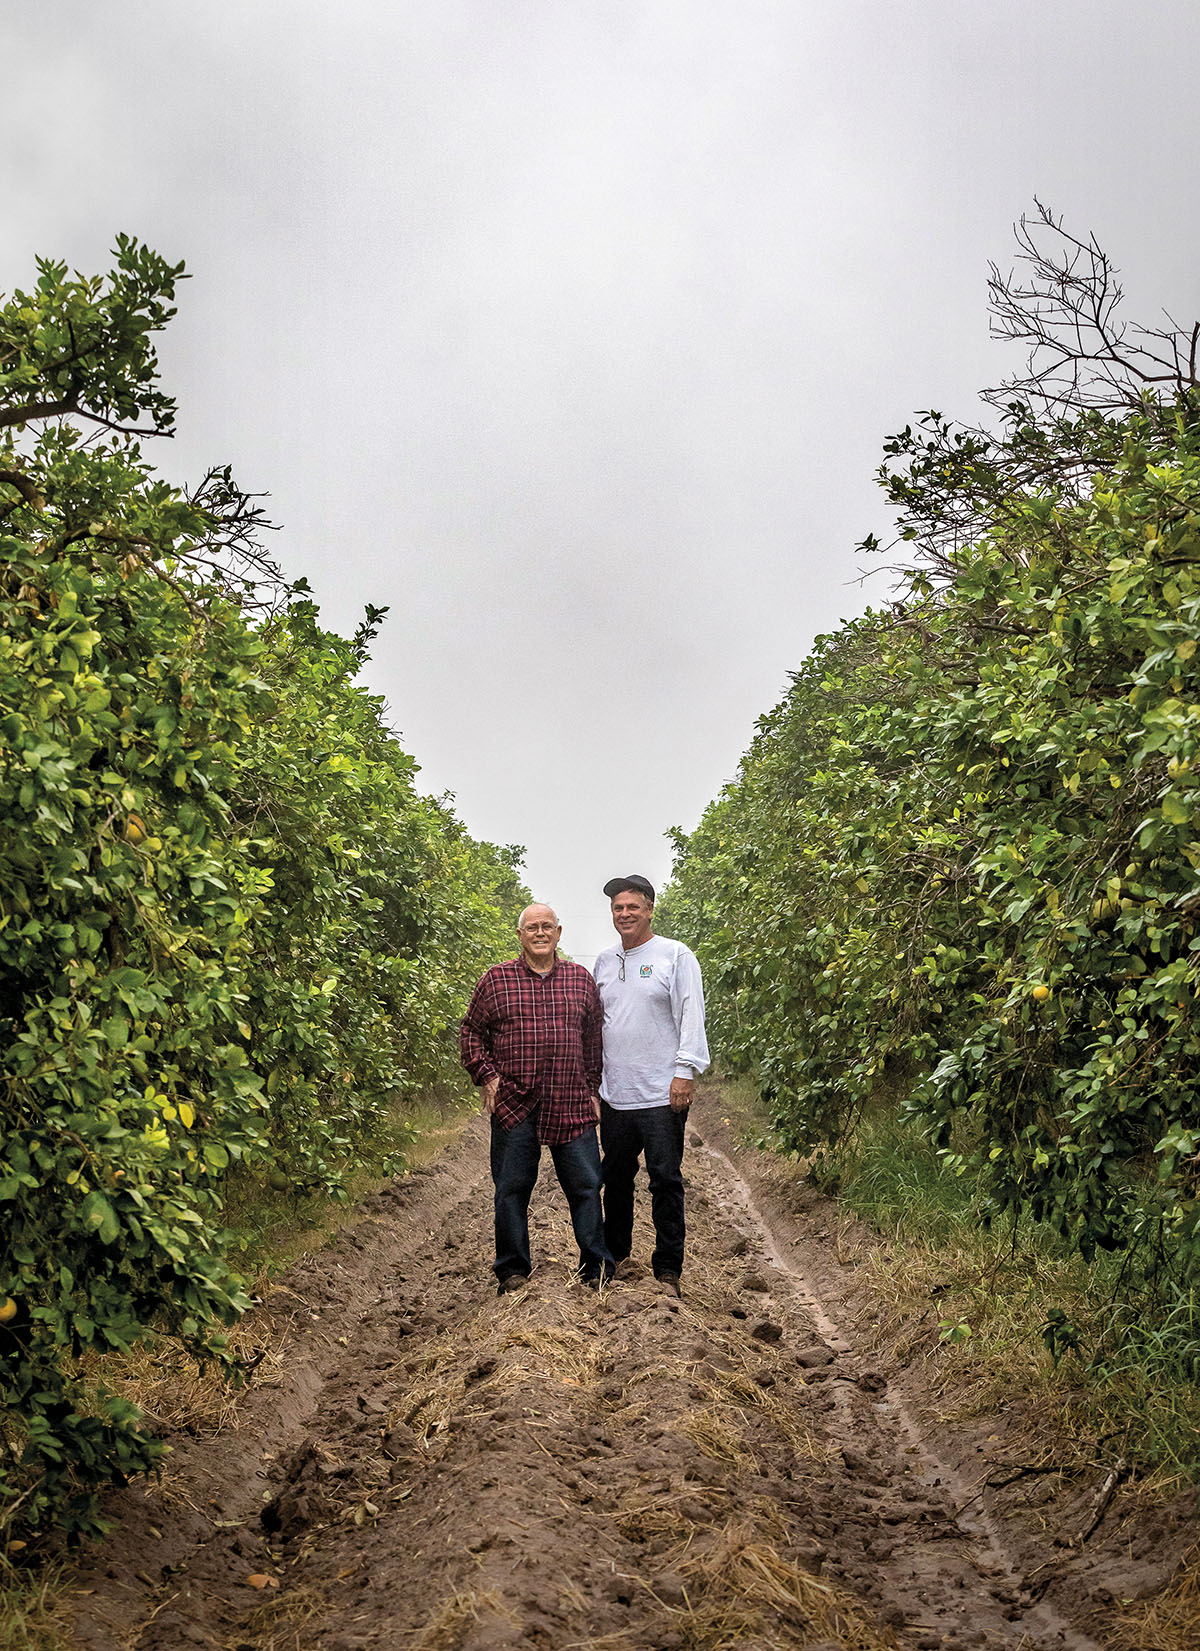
<point x="420" y="1464"/>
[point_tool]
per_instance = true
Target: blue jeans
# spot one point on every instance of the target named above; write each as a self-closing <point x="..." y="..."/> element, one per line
<point x="656" y="1131"/>
<point x="516" y="1154"/>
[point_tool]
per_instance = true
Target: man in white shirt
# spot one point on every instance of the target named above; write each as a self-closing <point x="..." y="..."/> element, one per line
<point x="654" y="1046"/>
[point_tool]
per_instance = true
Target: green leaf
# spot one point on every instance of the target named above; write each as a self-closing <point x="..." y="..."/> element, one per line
<point x="99" y="1214"/>
<point x="1177" y="808"/>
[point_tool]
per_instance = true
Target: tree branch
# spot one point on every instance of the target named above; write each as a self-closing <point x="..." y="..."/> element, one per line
<point x="24" y="486"/>
<point x="68" y="405"/>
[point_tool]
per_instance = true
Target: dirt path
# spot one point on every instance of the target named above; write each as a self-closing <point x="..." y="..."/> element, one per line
<point x="422" y="1465"/>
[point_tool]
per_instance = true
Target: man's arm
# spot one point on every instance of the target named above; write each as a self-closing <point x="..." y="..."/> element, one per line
<point x="687" y="1009"/>
<point x="593" y="1041"/>
<point x="475" y="1045"/>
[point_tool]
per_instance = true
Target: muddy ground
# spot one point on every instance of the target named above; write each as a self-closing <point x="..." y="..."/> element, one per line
<point x="420" y="1464"/>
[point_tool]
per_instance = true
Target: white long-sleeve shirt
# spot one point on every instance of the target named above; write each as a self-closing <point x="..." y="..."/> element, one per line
<point x="653" y="1021"/>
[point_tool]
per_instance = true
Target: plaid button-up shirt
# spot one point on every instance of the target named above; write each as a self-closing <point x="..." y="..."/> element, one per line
<point x="541" y="1036"/>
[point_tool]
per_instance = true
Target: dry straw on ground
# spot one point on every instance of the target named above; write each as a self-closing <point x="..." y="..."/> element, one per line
<point x="447" y="1389"/>
<point x="647" y="1521"/>
<point x="742" y="1587"/>
<point x="446" y="1628"/>
<point x="282" y="1622"/>
<point x="1170" y="1621"/>
<point x="177" y="1395"/>
<point x="738" y="1390"/>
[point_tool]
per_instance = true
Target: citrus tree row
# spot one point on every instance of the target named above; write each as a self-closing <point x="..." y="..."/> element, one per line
<point x="961" y="858"/>
<point x="233" y="934"/>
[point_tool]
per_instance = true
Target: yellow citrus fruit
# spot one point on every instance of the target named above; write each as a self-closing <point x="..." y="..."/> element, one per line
<point x="135" y="829"/>
<point x="8" y="1310"/>
<point x="1041" y="993"/>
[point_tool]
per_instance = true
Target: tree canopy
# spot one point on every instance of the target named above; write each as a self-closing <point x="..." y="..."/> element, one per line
<point x="233" y="932"/>
<point x="960" y="862"/>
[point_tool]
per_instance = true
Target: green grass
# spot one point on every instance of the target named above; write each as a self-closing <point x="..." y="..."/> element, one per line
<point x="272" y="1230"/>
<point x="32" y="1610"/>
<point x="1128" y="1349"/>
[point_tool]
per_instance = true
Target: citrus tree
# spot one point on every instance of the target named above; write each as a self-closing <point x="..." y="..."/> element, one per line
<point x="964" y="849"/>
<point x="232" y="931"/>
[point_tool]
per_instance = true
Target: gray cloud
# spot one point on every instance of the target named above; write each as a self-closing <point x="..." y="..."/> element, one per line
<point x="572" y="331"/>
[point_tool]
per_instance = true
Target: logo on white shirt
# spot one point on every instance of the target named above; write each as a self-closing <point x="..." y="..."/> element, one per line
<point x="646" y="970"/>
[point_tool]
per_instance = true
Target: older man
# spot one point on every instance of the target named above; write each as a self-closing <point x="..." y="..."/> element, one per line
<point x="654" y="1045"/>
<point x="531" y="1040"/>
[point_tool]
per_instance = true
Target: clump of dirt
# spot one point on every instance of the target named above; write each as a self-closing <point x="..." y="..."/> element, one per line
<point x="433" y="1467"/>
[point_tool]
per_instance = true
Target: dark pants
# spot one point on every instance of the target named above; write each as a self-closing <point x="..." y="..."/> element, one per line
<point x="516" y="1154"/>
<point x="656" y="1131"/>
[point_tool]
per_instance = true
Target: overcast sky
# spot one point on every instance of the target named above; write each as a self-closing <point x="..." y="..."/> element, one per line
<point x="572" y="331"/>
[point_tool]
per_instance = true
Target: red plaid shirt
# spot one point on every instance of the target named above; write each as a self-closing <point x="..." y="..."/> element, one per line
<point x="540" y="1035"/>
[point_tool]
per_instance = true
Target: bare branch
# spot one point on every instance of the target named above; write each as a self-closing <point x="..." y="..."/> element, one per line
<point x="1081" y="354"/>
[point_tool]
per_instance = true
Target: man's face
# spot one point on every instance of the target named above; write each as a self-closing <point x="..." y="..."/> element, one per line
<point x="631" y="915"/>
<point x="539" y="933"/>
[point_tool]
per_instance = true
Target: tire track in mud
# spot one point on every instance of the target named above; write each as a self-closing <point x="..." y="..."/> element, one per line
<point x="435" y="1468"/>
<point x="1041" y="1620"/>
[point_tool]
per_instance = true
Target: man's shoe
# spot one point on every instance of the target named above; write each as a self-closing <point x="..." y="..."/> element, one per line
<point x="509" y="1285"/>
<point x="669" y="1281"/>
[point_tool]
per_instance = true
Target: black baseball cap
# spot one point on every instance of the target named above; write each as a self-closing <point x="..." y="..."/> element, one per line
<point x="639" y="885"/>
